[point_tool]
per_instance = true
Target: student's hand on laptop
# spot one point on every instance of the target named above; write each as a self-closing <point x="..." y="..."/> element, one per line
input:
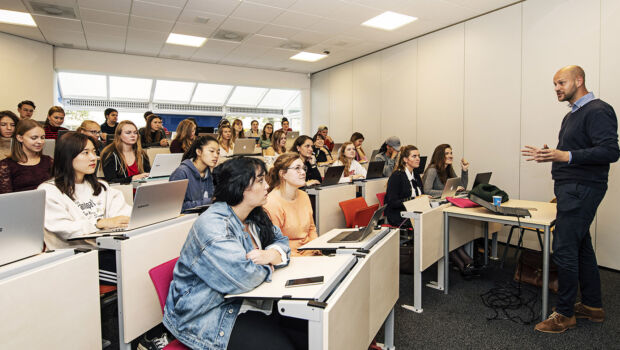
<point x="312" y="182"/>
<point x="357" y="176"/>
<point x="264" y="257"/>
<point x="140" y="176"/>
<point x="464" y="164"/>
<point x="163" y="142"/>
<point x="114" y="222"/>
<point x="460" y="189"/>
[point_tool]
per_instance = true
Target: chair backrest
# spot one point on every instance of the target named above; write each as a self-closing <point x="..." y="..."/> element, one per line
<point x="349" y="207"/>
<point x="363" y="216"/>
<point x="161" y="276"/>
<point x="381" y="197"/>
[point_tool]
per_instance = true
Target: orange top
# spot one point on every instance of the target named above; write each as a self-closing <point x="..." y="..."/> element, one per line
<point x="294" y="218"/>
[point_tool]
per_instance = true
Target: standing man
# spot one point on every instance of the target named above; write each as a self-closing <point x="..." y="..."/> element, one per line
<point x="25" y="109"/>
<point x="111" y="121"/>
<point x="588" y="143"/>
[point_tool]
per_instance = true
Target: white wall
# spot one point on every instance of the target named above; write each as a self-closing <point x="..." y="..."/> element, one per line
<point x="485" y="87"/>
<point x="26" y="68"/>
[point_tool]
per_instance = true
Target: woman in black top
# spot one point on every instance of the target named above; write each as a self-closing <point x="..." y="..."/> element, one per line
<point x="153" y="134"/>
<point x="403" y="185"/>
<point x="303" y="146"/>
<point x="321" y="152"/>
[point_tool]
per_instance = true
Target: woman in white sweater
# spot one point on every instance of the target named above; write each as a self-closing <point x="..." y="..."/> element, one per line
<point x="76" y="202"/>
<point x="353" y="170"/>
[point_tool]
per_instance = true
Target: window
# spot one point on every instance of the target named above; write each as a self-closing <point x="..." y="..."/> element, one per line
<point x="244" y="96"/>
<point x="78" y="85"/>
<point x="173" y="91"/>
<point x="211" y="94"/>
<point x="131" y="89"/>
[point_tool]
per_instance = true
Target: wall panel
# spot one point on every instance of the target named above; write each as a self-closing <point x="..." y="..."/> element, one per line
<point x="341" y="102"/>
<point x="367" y="100"/>
<point x="319" y="101"/>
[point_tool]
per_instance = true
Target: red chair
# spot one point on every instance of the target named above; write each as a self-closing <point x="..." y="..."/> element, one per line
<point x="381" y="198"/>
<point x="350" y="207"/>
<point x="363" y="216"/>
<point x="161" y="276"/>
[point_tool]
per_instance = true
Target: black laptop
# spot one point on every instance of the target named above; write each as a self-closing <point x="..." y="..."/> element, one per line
<point x="375" y="169"/>
<point x="508" y="211"/>
<point x="482" y="178"/>
<point x="359" y="234"/>
<point x="332" y="176"/>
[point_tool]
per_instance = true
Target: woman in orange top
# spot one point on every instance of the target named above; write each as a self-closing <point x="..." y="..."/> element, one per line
<point x="289" y="207"/>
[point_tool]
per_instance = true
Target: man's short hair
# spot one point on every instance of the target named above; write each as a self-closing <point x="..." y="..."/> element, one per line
<point x="147" y="113"/>
<point x="108" y="111"/>
<point x="26" y="102"/>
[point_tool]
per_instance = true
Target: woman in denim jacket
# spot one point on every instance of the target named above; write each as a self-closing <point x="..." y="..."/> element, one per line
<point x="232" y="248"/>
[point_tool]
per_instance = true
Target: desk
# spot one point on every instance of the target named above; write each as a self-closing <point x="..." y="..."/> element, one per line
<point x="543" y="218"/>
<point x="370" y="188"/>
<point x="327" y="212"/>
<point x="137" y="252"/>
<point x="51" y="301"/>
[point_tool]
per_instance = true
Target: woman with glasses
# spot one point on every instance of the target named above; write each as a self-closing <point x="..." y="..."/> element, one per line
<point x="289" y="207"/>
<point x="124" y="160"/>
<point x="92" y="129"/>
<point x="265" y="138"/>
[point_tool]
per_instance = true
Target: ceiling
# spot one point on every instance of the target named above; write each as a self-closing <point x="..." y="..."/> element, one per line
<point x="272" y="30"/>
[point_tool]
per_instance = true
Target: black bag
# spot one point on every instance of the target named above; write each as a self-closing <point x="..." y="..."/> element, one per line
<point x="529" y="270"/>
<point x="487" y="191"/>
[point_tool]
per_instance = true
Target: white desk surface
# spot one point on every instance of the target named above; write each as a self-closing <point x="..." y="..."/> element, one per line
<point x="301" y="267"/>
<point x="543" y="215"/>
<point x="320" y="243"/>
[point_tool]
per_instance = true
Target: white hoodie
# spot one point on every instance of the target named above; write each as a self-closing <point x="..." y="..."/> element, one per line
<point x="66" y="218"/>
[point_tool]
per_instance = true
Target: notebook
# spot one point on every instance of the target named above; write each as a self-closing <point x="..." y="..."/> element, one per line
<point x="21" y="239"/>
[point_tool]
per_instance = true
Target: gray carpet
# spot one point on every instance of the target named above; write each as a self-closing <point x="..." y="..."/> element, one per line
<point x="459" y="319"/>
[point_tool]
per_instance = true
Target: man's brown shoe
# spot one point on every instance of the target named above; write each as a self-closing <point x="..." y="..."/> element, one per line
<point x="593" y="314"/>
<point x="556" y="323"/>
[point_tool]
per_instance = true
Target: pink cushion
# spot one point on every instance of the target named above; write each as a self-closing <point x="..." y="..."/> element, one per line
<point x="176" y="345"/>
<point x="462" y="202"/>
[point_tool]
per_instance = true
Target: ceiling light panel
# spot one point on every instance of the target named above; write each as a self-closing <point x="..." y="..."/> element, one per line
<point x="245" y="96"/>
<point x="78" y="85"/>
<point x="185" y="40"/>
<point x="277" y="98"/>
<point x="173" y="91"/>
<point x="212" y="94"/>
<point x="389" y="21"/>
<point x="308" y="56"/>
<point x="135" y="89"/>
<point x="15" y="17"/>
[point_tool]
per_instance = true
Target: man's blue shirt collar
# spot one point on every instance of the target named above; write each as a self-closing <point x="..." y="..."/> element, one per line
<point x="582" y="101"/>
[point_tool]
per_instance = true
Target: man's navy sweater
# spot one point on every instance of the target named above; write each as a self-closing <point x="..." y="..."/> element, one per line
<point x="591" y="135"/>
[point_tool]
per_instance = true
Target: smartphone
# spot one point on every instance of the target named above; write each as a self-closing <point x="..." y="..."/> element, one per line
<point x="298" y="282"/>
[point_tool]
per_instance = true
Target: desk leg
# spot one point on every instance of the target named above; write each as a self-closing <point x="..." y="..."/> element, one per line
<point x="389" y="331"/>
<point x="446" y="252"/>
<point x="485" y="228"/>
<point x="494" y="246"/>
<point x="317" y="217"/>
<point x="417" y="273"/>
<point x="119" y="300"/>
<point x="545" y="282"/>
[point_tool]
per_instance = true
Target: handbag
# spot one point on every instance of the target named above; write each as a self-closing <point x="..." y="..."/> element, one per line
<point x="529" y="270"/>
<point x="487" y="191"/>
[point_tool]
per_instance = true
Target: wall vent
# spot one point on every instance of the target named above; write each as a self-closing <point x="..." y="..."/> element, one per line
<point x="254" y="110"/>
<point x="186" y="108"/>
<point x="87" y="103"/>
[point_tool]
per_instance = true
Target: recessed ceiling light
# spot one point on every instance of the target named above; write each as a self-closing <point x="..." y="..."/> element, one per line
<point x="185" y="40"/>
<point x="389" y="21"/>
<point x="14" y="17"/>
<point x="308" y="56"/>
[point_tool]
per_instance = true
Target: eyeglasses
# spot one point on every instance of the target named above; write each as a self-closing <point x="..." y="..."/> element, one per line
<point x="299" y="169"/>
<point x="96" y="132"/>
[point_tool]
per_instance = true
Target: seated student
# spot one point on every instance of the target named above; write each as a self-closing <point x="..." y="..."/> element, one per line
<point x="27" y="167"/>
<point x="237" y="127"/>
<point x="124" y="160"/>
<point x="186" y="133"/>
<point x="76" y="202"/>
<point x="389" y="153"/>
<point x="25" y="109"/>
<point x="197" y="163"/>
<point x="303" y="146"/>
<point x="232" y="248"/>
<point x="55" y="118"/>
<point x="265" y="138"/>
<point x="440" y="170"/>
<point x="353" y="170"/>
<point x="153" y="134"/>
<point x="8" y="122"/>
<point x="289" y="207"/>
<point x="253" y="132"/>
<point x="437" y="173"/>
<point x="321" y="152"/>
<point x="111" y="121"/>
<point x="357" y="139"/>
<point x="92" y="129"/>
<point x="278" y="144"/>
<point x="404" y="184"/>
<point x="329" y="142"/>
<point x="224" y="138"/>
<point x="285" y="125"/>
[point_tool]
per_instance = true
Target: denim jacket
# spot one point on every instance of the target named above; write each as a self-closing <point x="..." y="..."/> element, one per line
<point x="213" y="264"/>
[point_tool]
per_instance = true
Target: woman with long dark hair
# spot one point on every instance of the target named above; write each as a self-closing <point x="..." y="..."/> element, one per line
<point x="55" y="118"/>
<point x="265" y="138"/>
<point x="404" y="184"/>
<point x="196" y="166"/>
<point x="303" y="146"/>
<point x="322" y="154"/>
<point x="76" y="202"/>
<point x="357" y="139"/>
<point x="186" y="133"/>
<point x="232" y="248"/>
<point x="124" y="160"/>
<point x="8" y="122"/>
<point x="153" y="134"/>
<point x="237" y="127"/>
<point x="278" y="144"/>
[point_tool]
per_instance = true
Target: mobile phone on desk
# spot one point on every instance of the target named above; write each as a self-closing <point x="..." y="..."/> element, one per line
<point x="307" y="281"/>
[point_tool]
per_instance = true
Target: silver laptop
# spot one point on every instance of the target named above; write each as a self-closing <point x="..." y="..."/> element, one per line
<point x="360" y="234"/>
<point x="164" y="164"/>
<point x="153" y="203"/>
<point x="245" y="147"/>
<point x="48" y="147"/>
<point x="450" y="189"/>
<point x="374" y="154"/>
<point x="292" y="135"/>
<point x="20" y="239"/>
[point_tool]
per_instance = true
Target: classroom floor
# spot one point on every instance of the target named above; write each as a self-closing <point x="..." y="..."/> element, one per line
<point x="459" y="319"/>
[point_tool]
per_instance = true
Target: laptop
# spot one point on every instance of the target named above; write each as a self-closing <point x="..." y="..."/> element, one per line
<point x="153" y="203"/>
<point x="420" y="170"/>
<point x="482" y="178"/>
<point x="62" y="132"/>
<point x="48" y="147"/>
<point x="360" y="234"/>
<point x="332" y="176"/>
<point x="375" y="169"/>
<point x="292" y="135"/>
<point x="374" y="154"/>
<point x="20" y="239"/>
<point x="245" y="147"/>
<point x="508" y="211"/>
<point x="450" y="189"/>
<point x="164" y="164"/>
